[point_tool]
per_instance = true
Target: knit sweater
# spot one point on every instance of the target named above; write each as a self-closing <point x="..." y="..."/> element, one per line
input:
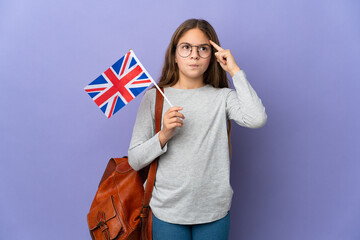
<point x="192" y="183"/>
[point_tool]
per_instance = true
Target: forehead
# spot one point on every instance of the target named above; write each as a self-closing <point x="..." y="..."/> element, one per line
<point x="194" y="36"/>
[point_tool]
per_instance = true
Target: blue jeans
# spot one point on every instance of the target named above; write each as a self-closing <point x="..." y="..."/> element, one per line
<point x="218" y="230"/>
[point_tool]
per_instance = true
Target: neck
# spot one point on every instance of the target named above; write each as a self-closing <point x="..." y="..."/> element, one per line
<point x="186" y="83"/>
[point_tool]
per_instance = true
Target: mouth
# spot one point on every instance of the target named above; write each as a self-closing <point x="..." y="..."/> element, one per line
<point x="193" y="65"/>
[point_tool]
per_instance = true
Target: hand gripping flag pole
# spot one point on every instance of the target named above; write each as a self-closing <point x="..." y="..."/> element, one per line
<point x="150" y="77"/>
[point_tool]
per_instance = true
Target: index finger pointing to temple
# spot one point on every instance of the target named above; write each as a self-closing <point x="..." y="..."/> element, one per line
<point x="217" y="47"/>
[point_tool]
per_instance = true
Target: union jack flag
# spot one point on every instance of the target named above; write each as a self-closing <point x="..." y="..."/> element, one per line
<point x="119" y="84"/>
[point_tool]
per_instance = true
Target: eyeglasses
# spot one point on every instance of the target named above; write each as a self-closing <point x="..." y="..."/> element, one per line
<point x="185" y="49"/>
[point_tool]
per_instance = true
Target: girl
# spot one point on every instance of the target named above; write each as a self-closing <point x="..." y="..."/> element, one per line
<point x="192" y="193"/>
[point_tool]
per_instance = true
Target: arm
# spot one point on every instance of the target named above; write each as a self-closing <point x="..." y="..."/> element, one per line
<point x="243" y="105"/>
<point x="145" y="146"/>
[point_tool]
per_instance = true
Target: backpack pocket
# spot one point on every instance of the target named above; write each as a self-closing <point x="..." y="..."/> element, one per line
<point x="103" y="221"/>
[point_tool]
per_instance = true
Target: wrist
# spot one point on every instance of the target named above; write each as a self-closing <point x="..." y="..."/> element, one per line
<point x="162" y="138"/>
<point x="234" y="71"/>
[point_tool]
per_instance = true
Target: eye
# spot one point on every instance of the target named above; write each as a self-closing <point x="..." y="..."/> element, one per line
<point x="185" y="46"/>
<point x="204" y="48"/>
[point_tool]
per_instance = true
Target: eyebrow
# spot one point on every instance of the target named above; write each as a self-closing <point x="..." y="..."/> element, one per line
<point x="195" y="45"/>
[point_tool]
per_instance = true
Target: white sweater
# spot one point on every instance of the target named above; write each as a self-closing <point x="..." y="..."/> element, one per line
<point x="192" y="183"/>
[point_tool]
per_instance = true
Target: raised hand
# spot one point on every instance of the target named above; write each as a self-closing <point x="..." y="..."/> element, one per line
<point x="225" y="59"/>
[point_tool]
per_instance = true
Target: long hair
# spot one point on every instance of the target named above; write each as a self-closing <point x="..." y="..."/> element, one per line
<point x="214" y="75"/>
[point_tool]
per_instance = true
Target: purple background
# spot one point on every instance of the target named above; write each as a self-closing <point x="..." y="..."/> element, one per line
<point x="296" y="178"/>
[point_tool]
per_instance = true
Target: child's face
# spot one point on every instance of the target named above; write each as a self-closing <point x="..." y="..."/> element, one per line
<point x="193" y="66"/>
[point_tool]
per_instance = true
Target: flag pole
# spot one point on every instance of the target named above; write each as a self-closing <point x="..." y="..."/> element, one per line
<point x="150" y="77"/>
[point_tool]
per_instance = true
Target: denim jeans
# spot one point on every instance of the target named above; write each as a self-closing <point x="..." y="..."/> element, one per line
<point x="217" y="230"/>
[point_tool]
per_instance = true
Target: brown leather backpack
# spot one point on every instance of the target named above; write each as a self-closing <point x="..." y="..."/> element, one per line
<point x="120" y="209"/>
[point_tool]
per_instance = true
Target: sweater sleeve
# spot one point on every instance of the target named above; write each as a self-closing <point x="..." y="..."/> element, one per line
<point x="243" y="105"/>
<point x="144" y="145"/>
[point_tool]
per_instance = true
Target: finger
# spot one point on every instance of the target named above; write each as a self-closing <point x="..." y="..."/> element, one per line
<point x="221" y="57"/>
<point x="176" y="125"/>
<point x="176" y="120"/>
<point x="180" y="115"/>
<point x="172" y="119"/>
<point x="221" y="62"/>
<point x="172" y="109"/>
<point x="217" y="47"/>
<point x="177" y="114"/>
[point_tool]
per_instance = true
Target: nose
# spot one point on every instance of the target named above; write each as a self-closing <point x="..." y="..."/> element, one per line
<point x="194" y="54"/>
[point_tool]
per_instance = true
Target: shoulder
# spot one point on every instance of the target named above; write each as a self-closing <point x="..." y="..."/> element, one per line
<point x="151" y="92"/>
<point x="150" y="95"/>
<point x="224" y="92"/>
<point x="147" y="104"/>
<point x="221" y="93"/>
<point x="227" y="95"/>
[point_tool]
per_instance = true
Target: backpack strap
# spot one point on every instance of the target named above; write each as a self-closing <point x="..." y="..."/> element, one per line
<point x="153" y="167"/>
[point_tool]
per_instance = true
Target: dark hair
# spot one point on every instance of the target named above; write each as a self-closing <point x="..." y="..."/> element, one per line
<point x="214" y="75"/>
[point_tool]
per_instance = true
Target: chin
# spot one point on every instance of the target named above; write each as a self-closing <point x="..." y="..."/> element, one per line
<point x="194" y="75"/>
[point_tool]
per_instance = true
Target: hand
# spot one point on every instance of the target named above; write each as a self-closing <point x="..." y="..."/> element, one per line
<point x="171" y="120"/>
<point x="225" y="59"/>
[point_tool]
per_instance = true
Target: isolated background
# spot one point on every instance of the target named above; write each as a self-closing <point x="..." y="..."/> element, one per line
<point x="296" y="178"/>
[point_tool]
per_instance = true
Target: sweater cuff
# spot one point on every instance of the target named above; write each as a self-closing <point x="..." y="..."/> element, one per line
<point x="241" y="83"/>
<point x="239" y="75"/>
<point x="145" y="153"/>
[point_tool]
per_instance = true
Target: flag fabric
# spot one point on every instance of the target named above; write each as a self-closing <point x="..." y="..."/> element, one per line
<point x="119" y="84"/>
